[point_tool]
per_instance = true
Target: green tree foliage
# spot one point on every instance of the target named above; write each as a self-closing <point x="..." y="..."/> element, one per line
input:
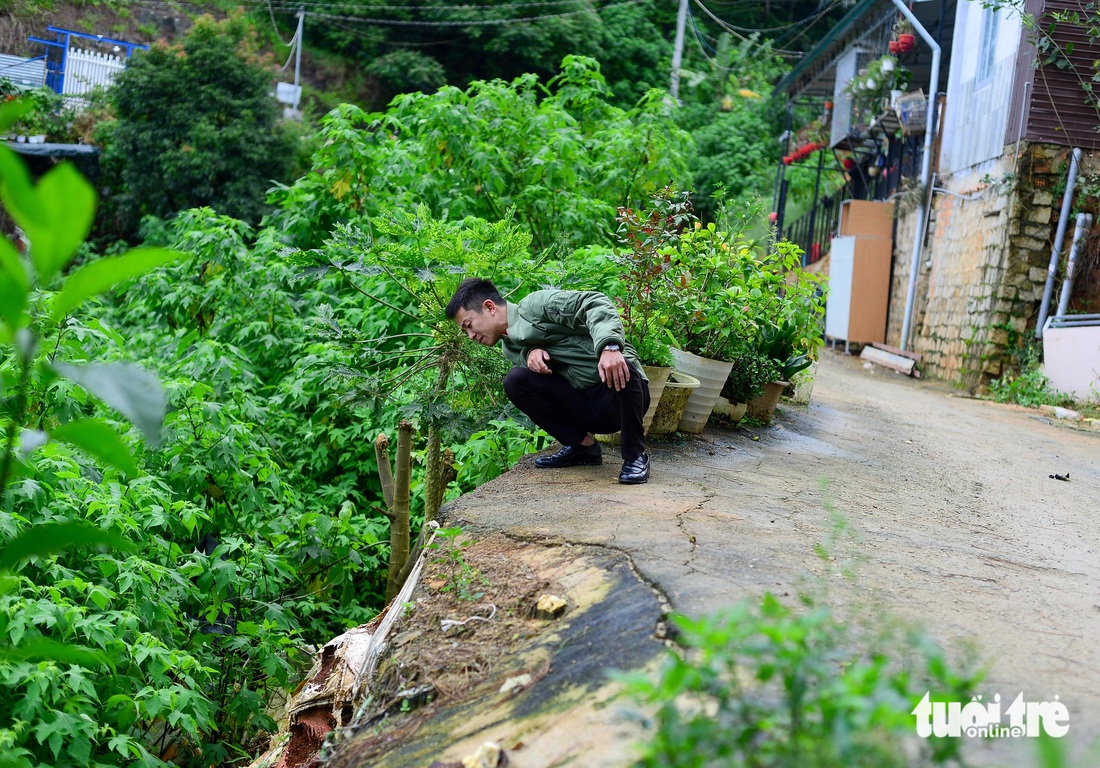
<point x="735" y="124"/>
<point x="196" y="125"/>
<point x="631" y="41"/>
<point x="90" y="656"/>
<point x="253" y="535"/>
<point x="563" y="156"/>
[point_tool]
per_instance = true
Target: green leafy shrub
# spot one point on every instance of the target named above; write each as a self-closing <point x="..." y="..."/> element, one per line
<point x="561" y="155"/>
<point x="48" y="116"/>
<point x="254" y="537"/>
<point x="762" y="684"/>
<point x="95" y="654"/>
<point x="1025" y="383"/>
<point x="648" y="276"/>
<point x="489" y="452"/>
<point x="1028" y="387"/>
<point x="751" y="370"/>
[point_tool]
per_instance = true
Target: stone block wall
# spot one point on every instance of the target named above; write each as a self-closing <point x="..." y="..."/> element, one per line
<point x="983" y="266"/>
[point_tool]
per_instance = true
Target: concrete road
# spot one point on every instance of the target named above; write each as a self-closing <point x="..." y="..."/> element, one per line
<point x="950" y="513"/>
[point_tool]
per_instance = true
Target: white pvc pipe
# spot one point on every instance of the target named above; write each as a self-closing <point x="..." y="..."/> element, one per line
<point x="925" y="169"/>
<point x="1084" y="223"/>
<point x="1059" y="239"/>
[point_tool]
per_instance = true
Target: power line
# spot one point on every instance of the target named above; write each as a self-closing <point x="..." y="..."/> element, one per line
<point x="373" y="8"/>
<point x="810" y="25"/>
<point x="730" y="27"/>
<point x="467" y="22"/>
<point x="276" y="28"/>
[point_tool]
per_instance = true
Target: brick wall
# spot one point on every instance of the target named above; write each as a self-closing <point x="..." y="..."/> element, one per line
<point x="984" y="264"/>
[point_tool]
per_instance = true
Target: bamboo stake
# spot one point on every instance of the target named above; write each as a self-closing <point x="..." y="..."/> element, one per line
<point x="399" y="522"/>
<point x="385" y="473"/>
<point x="433" y="476"/>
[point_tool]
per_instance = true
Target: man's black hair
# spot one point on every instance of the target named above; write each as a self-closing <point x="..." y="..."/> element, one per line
<point x="471" y="294"/>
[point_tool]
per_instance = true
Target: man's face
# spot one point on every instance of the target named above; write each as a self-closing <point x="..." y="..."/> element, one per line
<point x="485" y="325"/>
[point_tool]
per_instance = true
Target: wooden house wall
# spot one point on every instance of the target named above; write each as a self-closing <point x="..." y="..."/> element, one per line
<point x="1053" y="101"/>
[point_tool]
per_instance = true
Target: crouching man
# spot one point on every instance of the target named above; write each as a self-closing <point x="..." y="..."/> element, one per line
<point x="575" y="374"/>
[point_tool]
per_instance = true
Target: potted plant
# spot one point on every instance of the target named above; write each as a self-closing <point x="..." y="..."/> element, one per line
<point x="870" y="89"/>
<point x="749" y="373"/>
<point x="34" y="126"/>
<point x="776" y="345"/>
<point x="787" y="315"/>
<point x="903" y="33"/>
<point x="712" y="302"/>
<point x="784" y="344"/>
<point x="647" y="278"/>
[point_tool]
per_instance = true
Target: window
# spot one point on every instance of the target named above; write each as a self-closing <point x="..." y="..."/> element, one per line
<point x="988" y="47"/>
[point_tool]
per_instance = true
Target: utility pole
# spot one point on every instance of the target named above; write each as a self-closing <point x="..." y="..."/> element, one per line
<point x="298" y="57"/>
<point x="678" y="49"/>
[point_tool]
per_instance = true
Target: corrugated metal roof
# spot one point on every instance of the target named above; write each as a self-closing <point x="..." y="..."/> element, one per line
<point x="867" y="23"/>
<point x="25" y="73"/>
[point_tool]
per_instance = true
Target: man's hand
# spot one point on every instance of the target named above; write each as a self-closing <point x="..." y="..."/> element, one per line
<point x="539" y="361"/>
<point x="614" y="371"/>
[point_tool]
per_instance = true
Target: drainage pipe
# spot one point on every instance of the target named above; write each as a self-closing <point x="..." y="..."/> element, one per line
<point x="1084" y="223"/>
<point x="1059" y="240"/>
<point x="925" y="168"/>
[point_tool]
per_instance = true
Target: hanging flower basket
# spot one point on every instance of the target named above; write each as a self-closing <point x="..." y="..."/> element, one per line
<point x="906" y="42"/>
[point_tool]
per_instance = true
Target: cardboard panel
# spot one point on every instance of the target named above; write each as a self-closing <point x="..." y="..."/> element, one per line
<point x="870" y="290"/>
<point x="866" y="218"/>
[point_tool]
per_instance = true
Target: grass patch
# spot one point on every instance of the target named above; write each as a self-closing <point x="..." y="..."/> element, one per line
<point x="1026" y="385"/>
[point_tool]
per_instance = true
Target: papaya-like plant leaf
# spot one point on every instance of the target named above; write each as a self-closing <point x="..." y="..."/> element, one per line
<point x="101" y="274"/>
<point x="56" y="215"/>
<point x="97" y="439"/>
<point x="13" y="284"/>
<point x="49" y="539"/>
<point x="16" y="187"/>
<point x="129" y="389"/>
<point x="11" y="111"/>
<point x="44" y="649"/>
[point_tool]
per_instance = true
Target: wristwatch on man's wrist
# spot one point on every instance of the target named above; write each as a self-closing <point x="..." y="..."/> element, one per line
<point x="612" y="348"/>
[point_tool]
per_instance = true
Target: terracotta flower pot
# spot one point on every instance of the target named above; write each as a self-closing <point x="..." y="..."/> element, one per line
<point x="906" y="42"/>
<point x="763" y="407"/>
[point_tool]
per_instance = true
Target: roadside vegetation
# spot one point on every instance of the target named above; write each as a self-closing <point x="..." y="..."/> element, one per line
<point x="256" y="516"/>
<point x="801" y="681"/>
<point x="1025" y="384"/>
<point x="192" y="496"/>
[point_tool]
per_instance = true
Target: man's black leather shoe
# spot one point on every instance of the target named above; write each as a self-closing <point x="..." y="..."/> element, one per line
<point x="572" y="456"/>
<point x="635" y="472"/>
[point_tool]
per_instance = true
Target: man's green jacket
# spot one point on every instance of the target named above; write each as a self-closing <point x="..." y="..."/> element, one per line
<point x="573" y="326"/>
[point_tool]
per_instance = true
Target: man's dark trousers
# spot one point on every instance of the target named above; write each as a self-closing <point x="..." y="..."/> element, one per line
<point x="568" y="414"/>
